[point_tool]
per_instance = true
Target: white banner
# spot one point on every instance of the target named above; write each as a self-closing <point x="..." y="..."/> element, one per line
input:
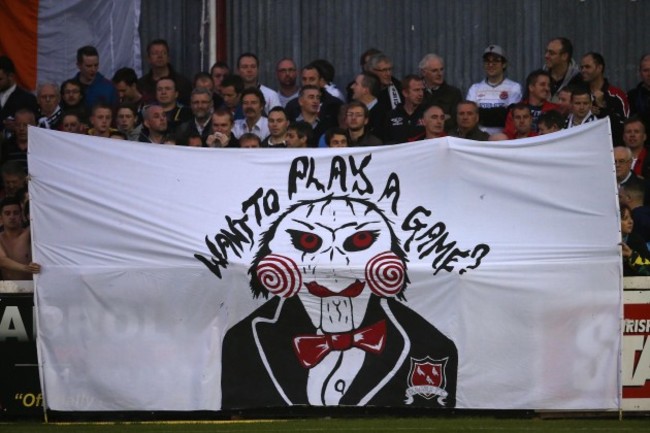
<point x="444" y="273"/>
<point x="111" y="26"/>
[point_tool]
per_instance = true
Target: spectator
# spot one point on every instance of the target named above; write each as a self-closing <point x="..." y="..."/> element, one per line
<point x="96" y="88"/>
<point x="536" y="97"/>
<point x="126" y="123"/>
<point x="254" y="122"/>
<point x="363" y="61"/>
<point x="15" y="148"/>
<point x="337" y="137"/>
<point x="639" y="97"/>
<point x="158" y="57"/>
<point x="155" y="122"/>
<point x="327" y="72"/>
<point x="15" y="243"/>
<point x="14" y="178"/>
<point x="101" y="119"/>
<point x="636" y="257"/>
<point x="299" y="134"/>
<point x="12" y="96"/>
<point x="126" y="83"/>
<point x="634" y="137"/>
<point x="623" y="165"/>
<point x="365" y="89"/>
<point x="248" y="140"/>
<point x="632" y="194"/>
<point x="404" y="123"/>
<point x="563" y="70"/>
<point x="167" y="98"/>
<point x="231" y="89"/>
<point x="467" y="119"/>
<point x="204" y="80"/>
<point x="357" y="118"/>
<point x="278" y="124"/>
<point x="434" y="122"/>
<point x="437" y="91"/>
<point x="311" y="75"/>
<point x="194" y="140"/>
<point x="523" y="122"/>
<point x="309" y="101"/>
<point x="580" y="109"/>
<point x="608" y="100"/>
<point x="248" y="69"/>
<point x="389" y="87"/>
<point x="72" y="100"/>
<point x="551" y="121"/>
<point x="222" y="125"/>
<point x="218" y="72"/>
<point x="495" y="93"/>
<point x="201" y="106"/>
<point x="287" y="75"/>
<point x="70" y="122"/>
<point x="563" y="101"/>
<point x="49" y="113"/>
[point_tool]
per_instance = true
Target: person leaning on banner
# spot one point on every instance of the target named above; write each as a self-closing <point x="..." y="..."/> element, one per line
<point x="15" y="243"/>
<point x="636" y="257"/>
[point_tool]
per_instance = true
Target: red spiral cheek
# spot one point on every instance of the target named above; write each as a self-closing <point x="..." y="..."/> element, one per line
<point x="279" y="275"/>
<point x="385" y="274"/>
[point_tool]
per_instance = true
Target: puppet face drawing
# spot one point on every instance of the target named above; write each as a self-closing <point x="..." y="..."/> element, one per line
<point x="333" y="254"/>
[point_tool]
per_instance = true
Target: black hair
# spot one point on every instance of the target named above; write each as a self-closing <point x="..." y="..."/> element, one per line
<point x="7" y="65"/>
<point x="88" y="51"/>
<point x="126" y="75"/>
<point x="233" y="80"/>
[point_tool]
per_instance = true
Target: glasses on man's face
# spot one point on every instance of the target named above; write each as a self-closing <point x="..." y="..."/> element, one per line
<point x="491" y="60"/>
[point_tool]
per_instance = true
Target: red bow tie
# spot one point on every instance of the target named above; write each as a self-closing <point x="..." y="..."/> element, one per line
<point x="311" y="349"/>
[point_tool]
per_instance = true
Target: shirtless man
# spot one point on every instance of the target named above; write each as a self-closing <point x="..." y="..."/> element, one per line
<point x="15" y="243"/>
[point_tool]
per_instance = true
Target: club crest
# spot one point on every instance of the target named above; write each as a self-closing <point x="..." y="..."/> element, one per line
<point x="427" y="378"/>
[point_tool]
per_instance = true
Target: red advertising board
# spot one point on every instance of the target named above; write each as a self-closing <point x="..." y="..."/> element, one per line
<point x="635" y="359"/>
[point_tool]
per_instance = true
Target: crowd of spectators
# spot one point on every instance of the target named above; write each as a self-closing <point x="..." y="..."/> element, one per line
<point x="229" y="107"/>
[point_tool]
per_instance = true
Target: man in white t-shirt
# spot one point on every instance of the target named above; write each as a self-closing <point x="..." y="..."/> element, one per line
<point x="495" y="93"/>
<point x="248" y="69"/>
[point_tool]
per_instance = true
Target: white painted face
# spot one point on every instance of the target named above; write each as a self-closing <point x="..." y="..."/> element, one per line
<point x="340" y="249"/>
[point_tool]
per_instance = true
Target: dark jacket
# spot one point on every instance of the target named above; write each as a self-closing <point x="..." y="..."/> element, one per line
<point x="261" y="369"/>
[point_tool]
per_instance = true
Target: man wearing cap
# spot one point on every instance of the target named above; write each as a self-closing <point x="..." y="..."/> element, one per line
<point x="495" y="93"/>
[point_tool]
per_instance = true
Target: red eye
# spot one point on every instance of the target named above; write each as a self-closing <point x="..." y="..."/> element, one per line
<point x="305" y="241"/>
<point x="309" y="241"/>
<point x="359" y="241"/>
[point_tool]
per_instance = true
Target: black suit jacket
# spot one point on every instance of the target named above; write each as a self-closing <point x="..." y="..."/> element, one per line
<point x="20" y="98"/>
<point x="185" y="129"/>
<point x="260" y="368"/>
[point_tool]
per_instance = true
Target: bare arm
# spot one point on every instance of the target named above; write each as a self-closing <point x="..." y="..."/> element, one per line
<point x="12" y="265"/>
